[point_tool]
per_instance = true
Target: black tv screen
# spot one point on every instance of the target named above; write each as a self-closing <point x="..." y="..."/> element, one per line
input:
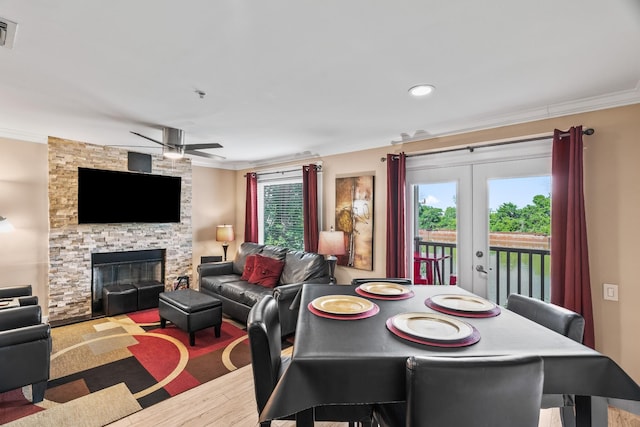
<point x="115" y="197"/>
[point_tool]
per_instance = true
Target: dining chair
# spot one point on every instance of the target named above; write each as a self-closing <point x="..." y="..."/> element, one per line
<point x="22" y="293"/>
<point x="268" y="364"/>
<point x="498" y="391"/>
<point x="25" y="350"/>
<point x="562" y="321"/>
<point x="401" y="281"/>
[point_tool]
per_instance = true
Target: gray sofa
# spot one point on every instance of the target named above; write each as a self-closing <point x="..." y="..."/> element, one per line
<point x="223" y="281"/>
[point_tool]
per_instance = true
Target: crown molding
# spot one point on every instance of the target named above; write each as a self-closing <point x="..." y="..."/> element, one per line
<point x="23" y="136"/>
<point x="583" y="105"/>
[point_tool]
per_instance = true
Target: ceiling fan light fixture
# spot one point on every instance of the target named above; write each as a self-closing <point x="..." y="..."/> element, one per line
<point x="173" y="153"/>
<point x="421" y="90"/>
<point x="172" y="136"/>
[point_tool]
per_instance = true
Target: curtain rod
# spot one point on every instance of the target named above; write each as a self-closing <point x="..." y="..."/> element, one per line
<point x="588" y="131"/>
<point x="318" y="168"/>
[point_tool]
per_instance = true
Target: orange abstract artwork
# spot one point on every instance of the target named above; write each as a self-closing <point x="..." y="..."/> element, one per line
<point x="354" y="216"/>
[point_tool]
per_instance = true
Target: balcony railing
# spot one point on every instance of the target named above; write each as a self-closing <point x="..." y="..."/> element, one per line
<point x="511" y="270"/>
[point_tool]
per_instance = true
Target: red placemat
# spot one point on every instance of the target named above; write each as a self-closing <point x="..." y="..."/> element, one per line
<point x="384" y="297"/>
<point x="477" y="314"/>
<point x="471" y="339"/>
<point x="364" y="315"/>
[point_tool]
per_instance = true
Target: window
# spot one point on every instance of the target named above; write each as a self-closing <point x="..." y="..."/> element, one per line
<point x="489" y="210"/>
<point x="280" y="214"/>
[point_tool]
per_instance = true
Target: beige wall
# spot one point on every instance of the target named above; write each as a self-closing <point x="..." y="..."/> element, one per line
<point x="214" y="193"/>
<point x="24" y="252"/>
<point x="612" y="177"/>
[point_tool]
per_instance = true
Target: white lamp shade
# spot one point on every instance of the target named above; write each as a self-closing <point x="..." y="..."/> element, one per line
<point x="331" y="243"/>
<point x="5" y="225"/>
<point x="224" y="233"/>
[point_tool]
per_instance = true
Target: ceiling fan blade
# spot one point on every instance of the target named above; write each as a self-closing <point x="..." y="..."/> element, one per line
<point x="150" y="139"/>
<point x="203" y="154"/>
<point x="202" y="146"/>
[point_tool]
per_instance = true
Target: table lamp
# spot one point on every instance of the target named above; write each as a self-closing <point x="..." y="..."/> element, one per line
<point x="5" y="225"/>
<point x="331" y="243"/>
<point x="224" y="233"/>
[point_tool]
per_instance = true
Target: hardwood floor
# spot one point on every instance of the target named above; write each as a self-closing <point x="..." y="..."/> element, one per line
<point x="229" y="402"/>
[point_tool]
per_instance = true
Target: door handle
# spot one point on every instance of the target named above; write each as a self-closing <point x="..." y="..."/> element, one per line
<point x="480" y="268"/>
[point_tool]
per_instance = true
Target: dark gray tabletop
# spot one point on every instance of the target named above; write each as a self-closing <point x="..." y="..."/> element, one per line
<point x="361" y="361"/>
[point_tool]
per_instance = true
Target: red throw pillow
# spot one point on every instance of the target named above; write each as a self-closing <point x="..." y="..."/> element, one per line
<point x="266" y="271"/>
<point x="249" y="266"/>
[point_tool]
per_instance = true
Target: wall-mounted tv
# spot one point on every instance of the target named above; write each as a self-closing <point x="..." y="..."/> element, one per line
<point x="115" y="197"/>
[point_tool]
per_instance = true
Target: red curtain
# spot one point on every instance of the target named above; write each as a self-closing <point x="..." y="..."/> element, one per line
<point x="251" y="212"/>
<point x="396" y="230"/>
<point x="310" y="207"/>
<point x="570" y="281"/>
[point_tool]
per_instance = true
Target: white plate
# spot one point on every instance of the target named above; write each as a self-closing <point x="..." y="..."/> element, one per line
<point x="384" y="288"/>
<point x="463" y="303"/>
<point x="342" y="304"/>
<point x="432" y="326"/>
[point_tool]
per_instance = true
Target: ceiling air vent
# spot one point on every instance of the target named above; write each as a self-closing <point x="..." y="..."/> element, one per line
<point x="7" y="33"/>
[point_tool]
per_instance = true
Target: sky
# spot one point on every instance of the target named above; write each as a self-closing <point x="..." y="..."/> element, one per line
<point x="519" y="191"/>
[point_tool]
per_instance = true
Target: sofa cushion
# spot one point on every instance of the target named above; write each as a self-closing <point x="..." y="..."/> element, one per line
<point x="276" y="252"/>
<point x="215" y="284"/>
<point x="300" y="267"/>
<point x="245" y="249"/>
<point x="249" y="267"/>
<point x="267" y="271"/>
<point x="243" y="292"/>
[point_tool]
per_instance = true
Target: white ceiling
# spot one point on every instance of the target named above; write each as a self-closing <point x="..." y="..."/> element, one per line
<point x="287" y="77"/>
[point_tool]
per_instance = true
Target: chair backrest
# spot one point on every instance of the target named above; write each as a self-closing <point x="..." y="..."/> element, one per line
<point x="503" y="391"/>
<point x="15" y="291"/>
<point x="263" y="328"/>
<point x="551" y="316"/>
<point x="19" y="317"/>
<point x="398" y="280"/>
<point x="30" y="300"/>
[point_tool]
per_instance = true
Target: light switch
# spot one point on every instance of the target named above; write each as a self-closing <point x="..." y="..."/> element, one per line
<point x="610" y="292"/>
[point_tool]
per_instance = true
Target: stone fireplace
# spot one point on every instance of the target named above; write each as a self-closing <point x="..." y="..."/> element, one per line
<point x="116" y="268"/>
<point x="72" y="245"/>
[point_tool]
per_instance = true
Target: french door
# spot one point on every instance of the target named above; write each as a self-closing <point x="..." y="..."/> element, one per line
<point x="454" y="195"/>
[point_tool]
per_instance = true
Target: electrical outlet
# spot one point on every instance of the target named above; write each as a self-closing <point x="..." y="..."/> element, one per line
<point x="610" y="291"/>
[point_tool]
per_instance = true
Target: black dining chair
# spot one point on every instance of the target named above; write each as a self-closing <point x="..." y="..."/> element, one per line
<point x="268" y="364"/>
<point x="499" y="391"/>
<point x="25" y="350"/>
<point x="399" y="280"/>
<point x="562" y="321"/>
<point x="22" y="293"/>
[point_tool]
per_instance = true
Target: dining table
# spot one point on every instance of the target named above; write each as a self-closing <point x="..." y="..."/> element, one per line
<point x="359" y="360"/>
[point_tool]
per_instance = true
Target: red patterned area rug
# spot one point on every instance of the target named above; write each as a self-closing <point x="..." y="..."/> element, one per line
<point x="131" y="350"/>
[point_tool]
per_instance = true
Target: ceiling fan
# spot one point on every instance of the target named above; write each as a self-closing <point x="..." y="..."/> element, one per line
<point x="173" y="145"/>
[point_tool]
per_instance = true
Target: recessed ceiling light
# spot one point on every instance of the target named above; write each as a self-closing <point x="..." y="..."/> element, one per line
<point x="421" y="90"/>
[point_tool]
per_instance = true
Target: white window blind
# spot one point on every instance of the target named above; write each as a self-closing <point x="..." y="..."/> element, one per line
<point x="280" y="214"/>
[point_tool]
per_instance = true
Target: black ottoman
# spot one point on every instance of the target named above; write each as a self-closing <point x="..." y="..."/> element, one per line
<point x="117" y="299"/>
<point x="148" y="293"/>
<point x="190" y="311"/>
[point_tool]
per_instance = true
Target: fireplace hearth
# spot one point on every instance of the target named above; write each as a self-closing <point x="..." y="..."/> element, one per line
<point x="130" y="267"/>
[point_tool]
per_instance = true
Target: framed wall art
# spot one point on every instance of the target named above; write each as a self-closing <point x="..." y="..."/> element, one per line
<point x="354" y="216"/>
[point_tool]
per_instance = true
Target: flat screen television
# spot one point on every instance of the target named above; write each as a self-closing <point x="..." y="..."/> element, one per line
<point x="116" y="197"/>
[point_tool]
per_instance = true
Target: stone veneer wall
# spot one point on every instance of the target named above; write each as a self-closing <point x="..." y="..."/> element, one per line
<point x="71" y="244"/>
